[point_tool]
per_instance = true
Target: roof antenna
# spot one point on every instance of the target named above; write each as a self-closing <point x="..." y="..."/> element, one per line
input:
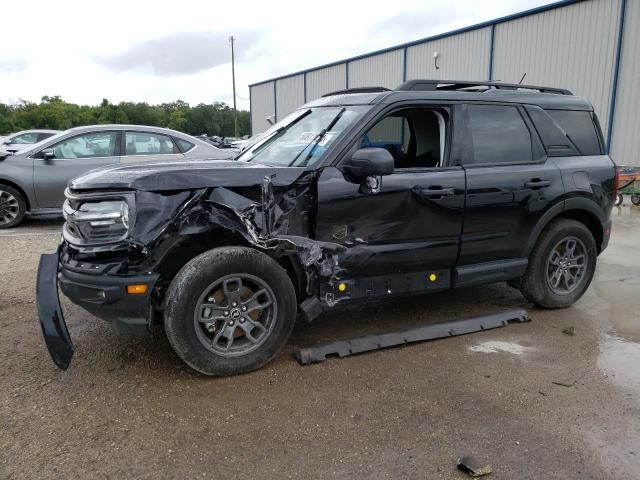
<point x="520" y="82"/>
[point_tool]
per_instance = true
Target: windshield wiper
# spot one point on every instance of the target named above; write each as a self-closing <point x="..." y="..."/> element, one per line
<point x="317" y="140"/>
<point x="273" y="135"/>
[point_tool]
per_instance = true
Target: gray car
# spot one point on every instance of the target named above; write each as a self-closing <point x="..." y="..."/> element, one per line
<point x="24" y="139"/>
<point x="33" y="180"/>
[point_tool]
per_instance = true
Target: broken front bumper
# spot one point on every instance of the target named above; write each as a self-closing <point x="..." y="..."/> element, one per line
<point x="54" y="329"/>
<point x="102" y="295"/>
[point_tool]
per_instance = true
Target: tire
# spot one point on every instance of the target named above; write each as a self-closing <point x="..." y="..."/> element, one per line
<point x="13" y="207"/>
<point x="205" y="289"/>
<point x="538" y="280"/>
<point x="619" y="199"/>
<point x="635" y="199"/>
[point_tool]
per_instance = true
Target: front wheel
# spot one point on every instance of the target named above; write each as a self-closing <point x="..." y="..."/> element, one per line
<point x="12" y="207"/>
<point x="229" y="311"/>
<point x="561" y="265"/>
<point x="635" y="199"/>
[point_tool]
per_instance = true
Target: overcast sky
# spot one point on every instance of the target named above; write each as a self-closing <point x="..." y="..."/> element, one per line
<point x="156" y="51"/>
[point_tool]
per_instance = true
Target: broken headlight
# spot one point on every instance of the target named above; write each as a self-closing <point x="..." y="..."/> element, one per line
<point x="96" y="222"/>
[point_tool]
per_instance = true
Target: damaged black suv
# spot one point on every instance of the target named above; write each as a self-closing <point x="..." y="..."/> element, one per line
<point x="361" y="194"/>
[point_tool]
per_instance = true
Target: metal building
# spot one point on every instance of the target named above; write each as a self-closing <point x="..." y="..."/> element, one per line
<point x="591" y="47"/>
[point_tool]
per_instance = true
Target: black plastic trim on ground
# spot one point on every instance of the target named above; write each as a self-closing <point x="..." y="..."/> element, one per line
<point x="344" y="348"/>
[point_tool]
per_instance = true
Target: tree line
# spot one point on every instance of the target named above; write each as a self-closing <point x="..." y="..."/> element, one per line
<point x="56" y="114"/>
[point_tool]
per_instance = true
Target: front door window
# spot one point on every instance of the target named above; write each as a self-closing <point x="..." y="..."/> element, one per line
<point x="88" y="145"/>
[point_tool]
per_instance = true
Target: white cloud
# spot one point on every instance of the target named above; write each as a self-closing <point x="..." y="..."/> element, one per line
<point x="162" y="51"/>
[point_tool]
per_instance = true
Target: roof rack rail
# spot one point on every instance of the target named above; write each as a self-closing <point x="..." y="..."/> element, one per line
<point x="357" y="90"/>
<point x="434" y="85"/>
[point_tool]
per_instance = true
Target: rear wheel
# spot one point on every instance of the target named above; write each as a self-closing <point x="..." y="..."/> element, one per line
<point x="13" y="207"/>
<point x="619" y="199"/>
<point x="561" y="265"/>
<point x="229" y="311"/>
<point x="635" y="199"/>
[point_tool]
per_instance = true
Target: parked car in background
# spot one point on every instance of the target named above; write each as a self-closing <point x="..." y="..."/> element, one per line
<point x="246" y="141"/>
<point x="226" y="142"/>
<point x="33" y="180"/>
<point x="21" y="140"/>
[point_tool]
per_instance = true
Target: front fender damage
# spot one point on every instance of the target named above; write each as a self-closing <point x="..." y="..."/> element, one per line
<point x="277" y="221"/>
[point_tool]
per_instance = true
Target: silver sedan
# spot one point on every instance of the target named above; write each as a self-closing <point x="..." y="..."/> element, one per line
<point x="33" y="180"/>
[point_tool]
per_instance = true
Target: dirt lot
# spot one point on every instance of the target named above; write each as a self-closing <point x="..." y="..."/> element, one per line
<point x="128" y="408"/>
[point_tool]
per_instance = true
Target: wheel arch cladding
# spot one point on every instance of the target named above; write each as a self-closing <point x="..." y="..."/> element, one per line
<point x="589" y="220"/>
<point x="586" y="217"/>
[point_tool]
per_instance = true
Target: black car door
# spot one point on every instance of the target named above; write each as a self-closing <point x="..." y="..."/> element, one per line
<point x="510" y="183"/>
<point x="400" y="231"/>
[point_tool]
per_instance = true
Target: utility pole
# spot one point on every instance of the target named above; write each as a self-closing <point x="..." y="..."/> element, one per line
<point x="233" y="77"/>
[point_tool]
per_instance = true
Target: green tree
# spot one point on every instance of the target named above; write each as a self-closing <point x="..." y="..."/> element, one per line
<point x="53" y="112"/>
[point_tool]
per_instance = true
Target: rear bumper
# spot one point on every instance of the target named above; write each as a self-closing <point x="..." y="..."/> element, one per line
<point x="106" y="297"/>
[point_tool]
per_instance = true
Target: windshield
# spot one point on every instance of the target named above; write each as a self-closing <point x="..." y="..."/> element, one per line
<point x="302" y="137"/>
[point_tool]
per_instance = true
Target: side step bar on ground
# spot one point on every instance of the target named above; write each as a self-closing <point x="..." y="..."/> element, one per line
<point x="344" y="348"/>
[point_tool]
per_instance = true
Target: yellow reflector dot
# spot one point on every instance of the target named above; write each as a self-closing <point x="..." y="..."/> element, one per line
<point x="342" y="287"/>
<point x="433" y="277"/>
<point x="136" y="289"/>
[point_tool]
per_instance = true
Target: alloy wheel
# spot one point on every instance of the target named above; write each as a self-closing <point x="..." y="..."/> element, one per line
<point x="566" y="265"/>
<point x="235" y="315"/>
<point x="9" y="207"/>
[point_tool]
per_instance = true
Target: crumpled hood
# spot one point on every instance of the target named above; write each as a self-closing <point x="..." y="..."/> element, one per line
<point x="184" y="175"/>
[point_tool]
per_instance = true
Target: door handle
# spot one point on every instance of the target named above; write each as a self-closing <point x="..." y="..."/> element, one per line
<point x="433" y="192"/>
<point x="536" y="183"/>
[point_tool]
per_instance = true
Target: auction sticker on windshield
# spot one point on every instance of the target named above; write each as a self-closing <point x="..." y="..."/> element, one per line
<point x="308" y="137"/>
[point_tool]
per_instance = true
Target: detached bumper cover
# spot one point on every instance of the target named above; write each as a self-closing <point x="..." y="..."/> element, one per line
<point x="54" y="328"/>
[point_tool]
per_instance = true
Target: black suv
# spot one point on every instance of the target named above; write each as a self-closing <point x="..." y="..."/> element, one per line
<point x="361" y="194"/>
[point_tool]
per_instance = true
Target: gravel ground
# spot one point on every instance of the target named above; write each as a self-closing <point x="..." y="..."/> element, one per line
<point x="128" y="408"/>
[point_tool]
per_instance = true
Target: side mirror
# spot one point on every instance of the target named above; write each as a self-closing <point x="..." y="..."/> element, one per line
<point x="369" y="162"/>
<point x="48" y="154"/>
<point x="6" y="142"/>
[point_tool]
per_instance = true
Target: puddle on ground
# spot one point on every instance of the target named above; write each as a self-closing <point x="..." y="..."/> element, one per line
<point x="618" y="360"/>
<point x="499" y="346"/>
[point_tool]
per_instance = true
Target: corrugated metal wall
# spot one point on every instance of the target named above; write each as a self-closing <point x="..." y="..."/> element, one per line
<point x="325" y="80"/>
<point x="571" y="47"/>
<point x="290" y="95"/>
<point x="461" y="57"/>
<point x="383" y="70"/>
<point x="262" y="106"/>
<point x="625" y="142"/>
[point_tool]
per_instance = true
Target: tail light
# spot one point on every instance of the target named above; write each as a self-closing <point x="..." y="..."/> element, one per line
<point x="616" y="181"/>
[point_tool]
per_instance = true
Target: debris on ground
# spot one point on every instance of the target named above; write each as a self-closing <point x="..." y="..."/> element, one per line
<point x="565" y="384"/>
<point x="569" y="330"/>
<point x="367" y="343"/>
<point x="473" y="467"/>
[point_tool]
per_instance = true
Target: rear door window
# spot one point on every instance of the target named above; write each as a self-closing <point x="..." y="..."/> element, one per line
<point x="499" y="135"/>
<point x="579" y="126"/>
<point x="44" y="136"/>
<point x="142" y="143"/>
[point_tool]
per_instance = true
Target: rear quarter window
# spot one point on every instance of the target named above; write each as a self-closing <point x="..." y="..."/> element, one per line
<point x="580" y="127"/>
<point x="184" y="145"/>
